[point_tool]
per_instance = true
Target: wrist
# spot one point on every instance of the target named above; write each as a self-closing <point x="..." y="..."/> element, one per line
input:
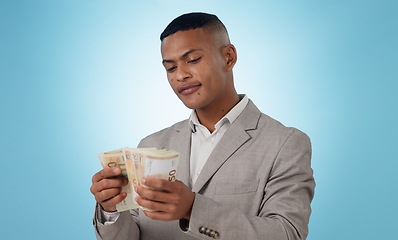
<point x="187" y="215"/>
<point x="107" y="210"/>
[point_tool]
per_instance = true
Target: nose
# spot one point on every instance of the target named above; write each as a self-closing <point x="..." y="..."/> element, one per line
<point x="182" y="74"/>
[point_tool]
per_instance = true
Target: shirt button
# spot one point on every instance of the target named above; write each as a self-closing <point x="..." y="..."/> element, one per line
<point x="202" y="230"/>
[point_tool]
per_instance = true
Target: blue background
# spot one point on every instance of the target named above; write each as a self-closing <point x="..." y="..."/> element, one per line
<point x="83" y="77"/>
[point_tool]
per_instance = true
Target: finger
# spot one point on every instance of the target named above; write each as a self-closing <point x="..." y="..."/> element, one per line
<point x="106" y="173"/>
<point x="109" y="183"/>
<point x="159" y="183"/>
<point x="163" y="216"/>
<point x="155" y="206"/>
<point x="107" y="194"/>
<point x="152" y="194"/>
<point x="110" y="204"/>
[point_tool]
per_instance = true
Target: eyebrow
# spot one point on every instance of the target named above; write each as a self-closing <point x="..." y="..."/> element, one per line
<point x="183" y="56"/>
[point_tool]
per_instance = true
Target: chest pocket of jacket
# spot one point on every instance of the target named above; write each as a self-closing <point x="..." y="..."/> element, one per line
<point x="233" y="188"/>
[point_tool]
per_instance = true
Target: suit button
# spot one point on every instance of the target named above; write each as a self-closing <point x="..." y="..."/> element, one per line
<point x="216" y="235"/>
<point x="202" y="230"/>
<point x="207" y="232"/>
<point x="212" y="233"/>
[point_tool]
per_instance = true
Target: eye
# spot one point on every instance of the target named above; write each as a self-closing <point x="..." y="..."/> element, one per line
<point x="171" y="69"/>
<point x="195" y="60"/>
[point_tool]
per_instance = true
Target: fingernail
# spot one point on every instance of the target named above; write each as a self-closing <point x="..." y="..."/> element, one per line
<point x="143" y="181"/>
<point x="116" y="170"/>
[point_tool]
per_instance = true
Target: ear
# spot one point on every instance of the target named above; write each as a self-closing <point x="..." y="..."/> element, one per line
<point x="230" y="56"/>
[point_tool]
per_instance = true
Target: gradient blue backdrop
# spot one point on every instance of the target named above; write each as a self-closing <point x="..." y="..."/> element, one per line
<point x="82" y="77"/>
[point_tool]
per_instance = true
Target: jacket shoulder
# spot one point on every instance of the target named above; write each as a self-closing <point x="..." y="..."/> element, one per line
<point x="156" y="138"/>
<point x="275" y="133"/>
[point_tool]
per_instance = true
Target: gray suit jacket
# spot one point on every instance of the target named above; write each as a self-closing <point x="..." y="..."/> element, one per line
<point x="256" y="184"/>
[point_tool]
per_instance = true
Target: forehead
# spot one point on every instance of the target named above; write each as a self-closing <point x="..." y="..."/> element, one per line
<point x="175" y="45"/>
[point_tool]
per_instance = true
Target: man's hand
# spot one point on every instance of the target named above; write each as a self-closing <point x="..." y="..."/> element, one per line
<point x="107" y="190"/>
<point x="174" y="203"/>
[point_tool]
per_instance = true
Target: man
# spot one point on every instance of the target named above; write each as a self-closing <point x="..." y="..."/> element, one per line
<point x="242" y="174"/>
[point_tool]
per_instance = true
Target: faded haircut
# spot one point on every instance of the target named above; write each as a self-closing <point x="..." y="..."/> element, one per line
<point x="192" y="21"/>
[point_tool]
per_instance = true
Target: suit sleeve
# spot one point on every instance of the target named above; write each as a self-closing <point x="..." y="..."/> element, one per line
<point x="124" y="228"/>
<point x="285" y="208"/>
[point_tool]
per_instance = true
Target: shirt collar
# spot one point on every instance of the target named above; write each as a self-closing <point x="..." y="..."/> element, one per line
<point x="231" y="116"/>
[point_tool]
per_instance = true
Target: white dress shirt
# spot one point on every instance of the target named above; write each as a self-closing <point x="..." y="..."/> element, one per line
<point x="202" y="144"/>
<point x="203" y="141"/>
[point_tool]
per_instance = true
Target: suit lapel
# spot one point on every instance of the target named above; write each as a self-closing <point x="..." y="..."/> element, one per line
<point x="182" y="145"/>
<point x="233" y="139"/>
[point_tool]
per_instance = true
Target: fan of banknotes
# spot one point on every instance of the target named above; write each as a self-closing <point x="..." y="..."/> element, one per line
<point x="137" y="163"/>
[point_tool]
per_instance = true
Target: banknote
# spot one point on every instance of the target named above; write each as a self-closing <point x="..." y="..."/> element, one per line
<point x="117" y="158"/>
<point x="137" y="163"/>
<point x="160" y="165"/>
<point x="133" y="158"/>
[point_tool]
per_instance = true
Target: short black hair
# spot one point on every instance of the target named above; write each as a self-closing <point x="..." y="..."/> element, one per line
<point x="190" y="21"/>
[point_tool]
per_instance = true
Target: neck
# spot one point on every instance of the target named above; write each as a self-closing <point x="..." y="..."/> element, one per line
<point x="210" y="115"/>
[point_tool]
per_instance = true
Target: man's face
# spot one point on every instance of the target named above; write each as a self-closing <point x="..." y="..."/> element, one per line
<point x="196" y="68"/>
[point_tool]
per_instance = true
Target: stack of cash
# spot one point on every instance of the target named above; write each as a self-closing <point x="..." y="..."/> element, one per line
<point x="137" y="163"/>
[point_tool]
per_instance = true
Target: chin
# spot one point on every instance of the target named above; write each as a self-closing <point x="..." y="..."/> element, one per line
<point x="189" y="103"/>
<point x="192" y="105"/>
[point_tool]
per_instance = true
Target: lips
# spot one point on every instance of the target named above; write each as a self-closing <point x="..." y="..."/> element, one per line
<point x="188" y="89"/>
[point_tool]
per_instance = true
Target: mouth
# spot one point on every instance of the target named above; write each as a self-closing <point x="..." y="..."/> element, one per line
<point x="188" y="89"/>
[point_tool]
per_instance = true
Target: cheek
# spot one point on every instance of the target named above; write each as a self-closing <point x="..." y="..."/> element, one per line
<point x="173" y="84"/>
<point x="210" y="76"/>
<point x="170" y="79"/>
